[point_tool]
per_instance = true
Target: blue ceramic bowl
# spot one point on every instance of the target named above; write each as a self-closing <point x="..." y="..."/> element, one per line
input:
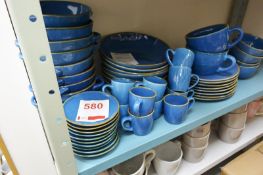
<point x="247" y="72"/>
<point x="71" y="79"/>
<point x="74" y="44"/>
<point x="251" y="44"/>
<point x="64" y="13"/>
<point x="74" y="56"/>
<point x="243" y="56"/>
<point x="72" y="69"/>
<point x="248" y="64"/>
<point x="67" y="33"/>
<point x="71" y="107"/>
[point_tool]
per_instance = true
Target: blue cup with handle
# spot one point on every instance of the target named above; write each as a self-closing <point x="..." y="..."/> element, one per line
<point x="211" y="63"/>
<point x="190" y="93"/>
<point x="176" y="108"/>
<point x="158" y="109"/>
<point x="141" y="101"/>
<point x="140" y="126"/>
<point x="214" y="38"/>
<point x="179" y="78"/>
<point x="156" y="83"/>
<point x="119" y="88"/>
<point x="180" y="57"/>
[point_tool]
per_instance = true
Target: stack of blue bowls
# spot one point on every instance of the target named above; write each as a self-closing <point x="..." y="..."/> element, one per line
<point x="72" y="44"/>
<point x="249" y="53"/>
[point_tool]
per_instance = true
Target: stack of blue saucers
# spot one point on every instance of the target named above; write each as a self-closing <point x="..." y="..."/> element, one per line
<point x="249" y="53"/>
<point x="72" y="44"/>
<point x="93" y="136"/>
<point x="133" y="55"/>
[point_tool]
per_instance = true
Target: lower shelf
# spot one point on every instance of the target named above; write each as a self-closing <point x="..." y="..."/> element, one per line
<point x="218" y="150"/>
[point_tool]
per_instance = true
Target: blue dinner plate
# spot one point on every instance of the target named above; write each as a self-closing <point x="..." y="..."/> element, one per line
<point x="147" y="50"/>
<point x="92" y="135"/>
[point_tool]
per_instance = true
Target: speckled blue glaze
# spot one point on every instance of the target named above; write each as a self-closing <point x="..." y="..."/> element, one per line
<point x="189" y="94"/>
<point x="67" y="33"/>
<point x="243" y="56"/>
<point x="251" y="44"/>
<point x="214" y="38"/>
<point x="247" y="72"/>
<point x="180" y="57"/>
<point x="64" y="13"/>
<point x="158" y="109"/>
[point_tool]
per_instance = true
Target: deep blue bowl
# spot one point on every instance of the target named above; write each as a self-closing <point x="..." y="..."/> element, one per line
<point x="252" y="45"/>
<point x="243" y="57"/>
<point x="73" y="56"/>
<point x="67" y="33"/>
<point x="247" y="72"/>
<point x="64" y="13"/>
<point x="74" y="44"/>
<point x="72" y="69"/>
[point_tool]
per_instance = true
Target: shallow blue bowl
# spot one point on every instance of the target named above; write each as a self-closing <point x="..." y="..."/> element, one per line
<point x="64" y="13"/>
<point x="247" y="72"/>
<point x="252" y="45"/>
<point x="243" y="56"/>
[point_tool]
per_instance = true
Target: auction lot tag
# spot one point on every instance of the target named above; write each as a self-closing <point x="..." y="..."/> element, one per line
<point x="93" y="110"/>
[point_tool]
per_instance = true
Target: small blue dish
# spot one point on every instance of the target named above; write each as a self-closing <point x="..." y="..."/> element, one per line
<point x="243" y="56"/>
<point x="74" y="44"/>
<point x="247" y="72"/>
<point x="67" y="33"/>
<point x="251" y="44"/>
<point x="64" y="13"/>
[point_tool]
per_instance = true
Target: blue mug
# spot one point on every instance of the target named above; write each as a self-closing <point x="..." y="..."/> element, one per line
<point x="176" y="107"/>
<point x="214" y="38"/>
<point x="123" y="112"/>
<point x="119" y="88"/>
<point x="211" y="63"/>
<point x="179" y="78"/>
<point x="189" y="94"/>
<point x="180" y="57"/>
<point x="158" y="109"/>
<point x="138" y="125"/>
<point x="156" y="83"/>
<point x="141" y="101"/>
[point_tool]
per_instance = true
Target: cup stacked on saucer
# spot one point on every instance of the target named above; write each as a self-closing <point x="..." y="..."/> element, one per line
<point x="92" y="134"/>
<point x="72" y="44"/>
<point x="218" y="71"/>
<point x="249" y="53"/>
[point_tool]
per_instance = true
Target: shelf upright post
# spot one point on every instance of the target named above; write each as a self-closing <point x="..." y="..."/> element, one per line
<point x="28" y="24"/>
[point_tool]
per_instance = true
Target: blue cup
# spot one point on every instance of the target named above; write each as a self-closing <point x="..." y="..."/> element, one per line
<point x="179" y="78"/>
<point x="156" y="83"/>
<point x="119" y="88"/>
<point x="158" y="109"/>
<point x="212" y="63"/>
<point x="180" y="57"/>
<point x="141" y="101"/>
<point x="214" y="38"/>
<point x="189" y="94"/>
<point x="138" y="125"/>
<point x="176" y="107"/>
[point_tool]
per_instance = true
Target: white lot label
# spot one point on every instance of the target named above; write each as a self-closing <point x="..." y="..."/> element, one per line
<point x="93" y="110"/>
<point x="126" y="58"/>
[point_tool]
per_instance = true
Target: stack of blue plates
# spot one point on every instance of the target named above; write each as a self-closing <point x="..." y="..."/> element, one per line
<point x="133" y="55"/>
<point x="92" y="138"/>
<point x="72" y="44"/>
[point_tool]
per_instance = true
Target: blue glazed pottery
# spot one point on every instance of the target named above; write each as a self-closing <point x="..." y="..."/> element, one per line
<point x="210" y="63"/>
<point x="141" y="101"/>
<point x="139" y="50"/>
<point x="74" y="44"/>
<point x="140" y="126"/>
<point x="249" y="64"/>
<point x="176" y="107"/>
<point x="243" y="56"/>
<point x="189" y="94"/>
<point x="119" y="88"/>
<point x="179" y="78"/>
<point x="67" y="33"/>
<point x="180" y="57"/>
<point x="71" y="79"/>
<point x="247" y="72"/>
<point x="158" y="109"/>
<point x="156" y="83"/>
<point x="73" y="56"/>
<point x="64" y="13"/>
<point x="251" y="44"/>
<point x="214" y="38"/>
<point x="123" y="112"/>
<point x="75" y="68"/>
<point x="71" y="106"/>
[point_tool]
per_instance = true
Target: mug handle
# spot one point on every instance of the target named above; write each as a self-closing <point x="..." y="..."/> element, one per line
<point x="168" y="51"/>
<point x="197" y="81"/>
<point x="191" y="94"/>
<point x="104" y="88"/>
<point x="99" y="83"/>
<point x="233" y="30"/>
<point x="191" y="103"/>
<point x="233" y="63"/>
<point x="137" y="106"/>
<point x="138" y="83"/>
<point x="148" y="157"/>
<point x="127" y="119"/>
